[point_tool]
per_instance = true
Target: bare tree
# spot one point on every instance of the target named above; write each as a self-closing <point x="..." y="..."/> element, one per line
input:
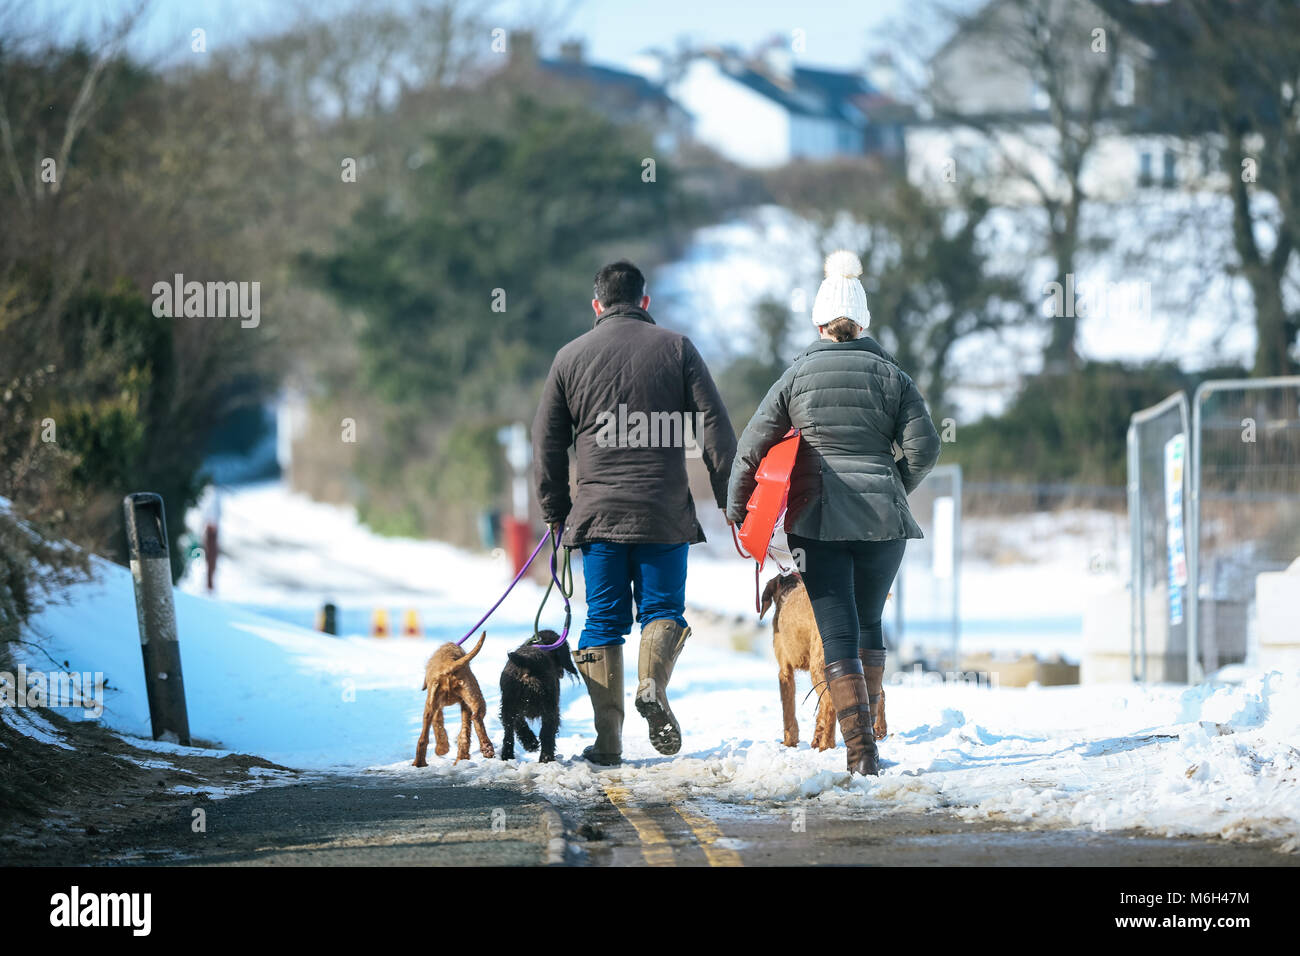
<point x="1234" y="68"/>
<point x="1051" y="65"/>
<point x="931" y="283"/>
<point x="114" y="31"/>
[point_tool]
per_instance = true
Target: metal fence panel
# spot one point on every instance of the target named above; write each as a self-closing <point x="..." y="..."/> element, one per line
<point x="1245" y="508"/>
<point x="1158" y="483"/>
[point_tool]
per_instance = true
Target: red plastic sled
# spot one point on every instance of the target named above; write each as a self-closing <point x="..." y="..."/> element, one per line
<point x="767" y="503"/>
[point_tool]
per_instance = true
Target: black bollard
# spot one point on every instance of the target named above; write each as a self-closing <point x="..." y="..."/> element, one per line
<point x="328" y="619"/>
<point x="151" y="573"/>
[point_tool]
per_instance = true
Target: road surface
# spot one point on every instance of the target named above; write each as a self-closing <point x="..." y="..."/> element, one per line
<point x="383" y="819"/>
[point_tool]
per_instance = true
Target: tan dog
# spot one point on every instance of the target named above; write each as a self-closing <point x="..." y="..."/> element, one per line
<point x="798" y="646"/>
<point x="449" y="680"/>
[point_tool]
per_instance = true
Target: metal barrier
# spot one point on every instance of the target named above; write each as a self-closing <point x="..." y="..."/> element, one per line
<point x="1157" y="442"/>
<point x="927" y="591"/>
<point x="1239" y="501"/>
<point x="1245" y="508"/>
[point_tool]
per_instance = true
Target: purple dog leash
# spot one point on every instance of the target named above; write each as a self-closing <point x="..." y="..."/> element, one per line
<point x="558" y="584"/>
<point x="554" y="536"/>
<point x="521" y="573"/>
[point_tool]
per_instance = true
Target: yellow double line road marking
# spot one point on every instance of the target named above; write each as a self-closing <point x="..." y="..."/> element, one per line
<point x="654" y="843"/>
<point x="707" y="832"/>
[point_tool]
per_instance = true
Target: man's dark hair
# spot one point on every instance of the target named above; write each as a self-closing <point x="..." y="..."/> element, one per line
<point x="619" y="283"/>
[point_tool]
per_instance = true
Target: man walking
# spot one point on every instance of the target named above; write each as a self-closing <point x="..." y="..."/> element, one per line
<point x="635" y="399"/>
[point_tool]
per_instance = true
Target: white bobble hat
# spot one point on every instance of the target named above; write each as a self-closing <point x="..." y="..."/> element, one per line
<point x="841" y="294"/>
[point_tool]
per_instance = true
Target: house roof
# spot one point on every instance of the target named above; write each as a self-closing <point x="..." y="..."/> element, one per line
<point x="828" y="94"/>
<point x="631" y="85"/>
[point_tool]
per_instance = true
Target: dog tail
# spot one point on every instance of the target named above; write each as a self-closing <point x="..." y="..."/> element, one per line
<point x="461" y="662"/>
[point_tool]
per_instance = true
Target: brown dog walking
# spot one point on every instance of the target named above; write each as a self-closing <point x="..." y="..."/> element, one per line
<point x="448" y="680"/>
<point x="797" y="645"/>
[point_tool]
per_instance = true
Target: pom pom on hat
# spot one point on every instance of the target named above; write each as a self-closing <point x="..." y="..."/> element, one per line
<point x="841" y="294"/>
<point x="843" y="263"/>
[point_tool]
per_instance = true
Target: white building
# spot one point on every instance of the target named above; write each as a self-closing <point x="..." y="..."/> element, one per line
<point x="994" y="126"/>
<point x="767" y="112"/>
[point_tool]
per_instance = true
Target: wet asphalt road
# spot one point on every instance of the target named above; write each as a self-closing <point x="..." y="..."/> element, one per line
<point x="380" y="820"/>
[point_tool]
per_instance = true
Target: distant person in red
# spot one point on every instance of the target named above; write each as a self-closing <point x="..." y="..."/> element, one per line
<point x="211" y="520"/>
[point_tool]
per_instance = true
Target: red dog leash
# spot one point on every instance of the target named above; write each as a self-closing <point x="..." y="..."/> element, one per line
<point x="758" y="598"/>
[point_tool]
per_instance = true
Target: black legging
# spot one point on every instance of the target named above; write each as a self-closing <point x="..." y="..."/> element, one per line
<point x="848" y="582"/>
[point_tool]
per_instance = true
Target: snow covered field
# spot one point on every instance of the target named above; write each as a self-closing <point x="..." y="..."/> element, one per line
<point x="1207" y="760"/>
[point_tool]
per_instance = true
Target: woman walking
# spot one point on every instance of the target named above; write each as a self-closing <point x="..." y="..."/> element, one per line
<point x="847" y="515"/>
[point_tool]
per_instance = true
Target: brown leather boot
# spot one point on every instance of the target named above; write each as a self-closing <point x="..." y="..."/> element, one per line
<point x="873" y="669"/>
<point x="848" y="690"/>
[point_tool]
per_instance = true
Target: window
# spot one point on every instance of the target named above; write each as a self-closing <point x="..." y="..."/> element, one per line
<point x="1123" y="83"/>
<point x="1144" y="169"/>
<point x="1170" y="177"/>
<point x="1209" y="159"/>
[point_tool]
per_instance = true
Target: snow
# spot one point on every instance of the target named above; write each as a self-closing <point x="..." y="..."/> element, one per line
<point x="233" y="790"/>
<point x="30" y="723"/>
<point x="1217" y="759"/>
<point x="1099" y="757"/>
<point x="729" y="267"/>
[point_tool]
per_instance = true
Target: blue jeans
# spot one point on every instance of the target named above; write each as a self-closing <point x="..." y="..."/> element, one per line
<point x="653" y="575"/>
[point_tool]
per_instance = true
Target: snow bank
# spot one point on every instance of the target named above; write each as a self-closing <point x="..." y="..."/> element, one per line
<point x="1206" y="761"/>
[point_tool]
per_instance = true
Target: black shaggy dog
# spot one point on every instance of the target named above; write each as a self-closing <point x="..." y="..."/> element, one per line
<point x="530" y="690"/>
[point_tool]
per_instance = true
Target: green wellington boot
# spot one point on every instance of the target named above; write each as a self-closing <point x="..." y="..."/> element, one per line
<point x="661" y="643"/>
<point x="602" y="669"/>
